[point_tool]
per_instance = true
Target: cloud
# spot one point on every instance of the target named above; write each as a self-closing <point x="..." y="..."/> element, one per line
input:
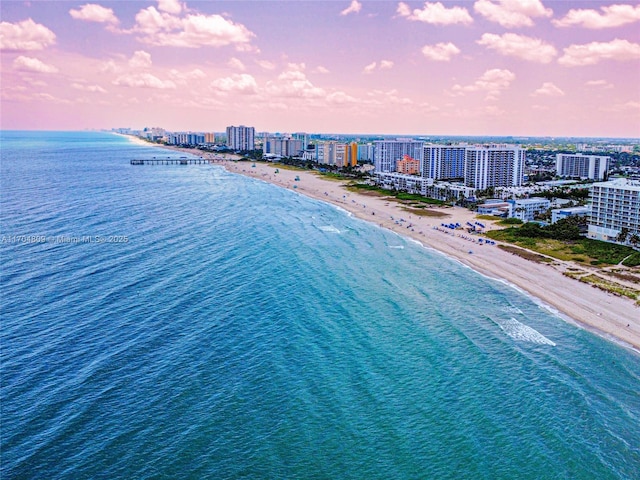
<point x="294" y="83"/>
<point x="384" y="65"/>
<point x="29" y="64"/>
<point x="88" y="88"/>
<point x="370" y="68"/>
<point x="236" y="64"/>
<point x="92" y="12"/>
<point x="170" y="6"/>
<point x="320" y="69"/>
<point x="143" y="80"/>
<point x="514" y="45"/>
<point x="512" y="13"/>
<point x="611" y="16"/>
<point x="267" y="65"/>
<point x="182" y="77"/>
<point x="241" y="83"/>
<point x="594" y="52"/>
<point x="354" y="7"/>
<point x="191" y="31"/>
<point x="340" y="98"/>
<point x="492" y="81"/>
<point x="599" y="84"/>
<point x="435" y="13"/>
<point x="548" y="89"/>
<point x="140" y="59"/>
<point x="440" y="52"/>
<point x="25" y="36"/>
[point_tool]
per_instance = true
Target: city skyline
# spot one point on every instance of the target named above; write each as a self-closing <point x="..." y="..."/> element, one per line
<point x="485" y="67"/>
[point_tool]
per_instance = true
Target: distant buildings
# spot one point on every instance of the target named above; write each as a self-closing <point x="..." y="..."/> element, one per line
<point x="241" y="138"/>
<point x="283" y="146"/>
<point x="615" y="207"/>
<point x="584" y="167"/>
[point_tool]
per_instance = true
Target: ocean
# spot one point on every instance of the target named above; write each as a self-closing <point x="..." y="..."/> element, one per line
<point x="184" y="322"/>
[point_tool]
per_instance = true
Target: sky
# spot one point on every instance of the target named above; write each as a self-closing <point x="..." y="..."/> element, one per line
<point x="483" y="67"/>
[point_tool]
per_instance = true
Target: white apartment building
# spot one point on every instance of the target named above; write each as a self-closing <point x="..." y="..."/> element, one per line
<point x="562" y="213"/>
<point x="585" y="167"/>
<point x="614" y="205"/>
<point x="443" y="161"/>
<point x="494" y="166"/>
<point x="283" y="146"/>
<point x="387" y="153"/>
<point x="241" y="138"/>
<point x="330" y="153"/>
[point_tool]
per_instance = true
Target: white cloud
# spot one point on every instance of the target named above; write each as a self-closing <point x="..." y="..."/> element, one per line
<point x="623" y="107"/>
<point x="182" y="77"/>
<point x="236" y="64"/>
<point x="611" y="16"/>
<point x="143" y="80"/>
<point x="435" y="13"/>
<point x="599" y="84"/>
<point x="267" y="65"/>
<point x="340" y="98"/>
<point x="294" y="83"/>
<point x="91" y="12"/>
<point x="29" y="64"/>
<point x="512" y="13"/>
<point x="440" y="52"/>
<point x="140" y="59"/>
<point x="241" y="83"/>
<point x="548" y="89"/>
<point x="25" y="35"/>
<point x="370" y="68"/>
<point x="492" y="82"/>
<point x="170" y="6"/>
<point x="191" y="31"/>
<point x="320" y="69"/>
<point x="514" y="45"/>
<point x="594" y="52"/>
<point x="386" y="64"/>
<point x="88" y="88"/>
<point x="354" y="7"/>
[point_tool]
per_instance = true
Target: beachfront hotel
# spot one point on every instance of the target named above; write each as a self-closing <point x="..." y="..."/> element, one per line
<point x="584" y="167"/>
<point x="494" y="166"/>
<point x="615" y="205"/>
<point x="241" y="138"/>
<point x="443" y="162"/>
<point x="387" y="153"/>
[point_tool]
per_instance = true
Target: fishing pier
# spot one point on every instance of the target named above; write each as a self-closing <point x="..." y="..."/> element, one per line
<point x="170" y="161"/>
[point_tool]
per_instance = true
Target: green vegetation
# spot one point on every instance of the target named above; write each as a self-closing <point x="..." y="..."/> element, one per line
<point x="563" y="241"/>
<point x="607" y="286"/>
<point x="510" y="221"/>
<point x="416" y="200"/>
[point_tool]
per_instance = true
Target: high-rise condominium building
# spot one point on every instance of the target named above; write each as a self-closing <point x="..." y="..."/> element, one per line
<point x="388" y="152"/>
<point x="241" y="138"/>
<point x="443" y="162"/>
<point x="614" y="205"/>
<point x="585" y="167"/>
<point x="494" y="166"/>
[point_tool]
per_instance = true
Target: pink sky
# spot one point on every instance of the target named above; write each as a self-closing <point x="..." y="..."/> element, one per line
<point x="485" y="67"/>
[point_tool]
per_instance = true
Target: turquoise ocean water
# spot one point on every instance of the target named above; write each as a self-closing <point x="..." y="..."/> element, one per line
<point x="184" y="322"/>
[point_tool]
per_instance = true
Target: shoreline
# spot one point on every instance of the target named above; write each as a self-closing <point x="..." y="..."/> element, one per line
<point x="613" y="318"/>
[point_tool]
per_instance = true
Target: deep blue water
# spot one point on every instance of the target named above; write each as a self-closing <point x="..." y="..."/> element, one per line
<point x="184" y="322"/>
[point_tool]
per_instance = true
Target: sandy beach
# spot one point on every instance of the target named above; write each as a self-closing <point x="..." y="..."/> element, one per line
<point x="613" y="317"/>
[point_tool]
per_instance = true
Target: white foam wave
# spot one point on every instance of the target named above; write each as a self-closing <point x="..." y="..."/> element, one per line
<point x="399" y="247"/>
<point x="329" y="228"/>
<point x="520" y="331"/>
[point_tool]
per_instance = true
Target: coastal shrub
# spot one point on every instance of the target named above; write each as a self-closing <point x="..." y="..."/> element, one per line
<point x="510" y="221"/>
<point x="633" y="260"/>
